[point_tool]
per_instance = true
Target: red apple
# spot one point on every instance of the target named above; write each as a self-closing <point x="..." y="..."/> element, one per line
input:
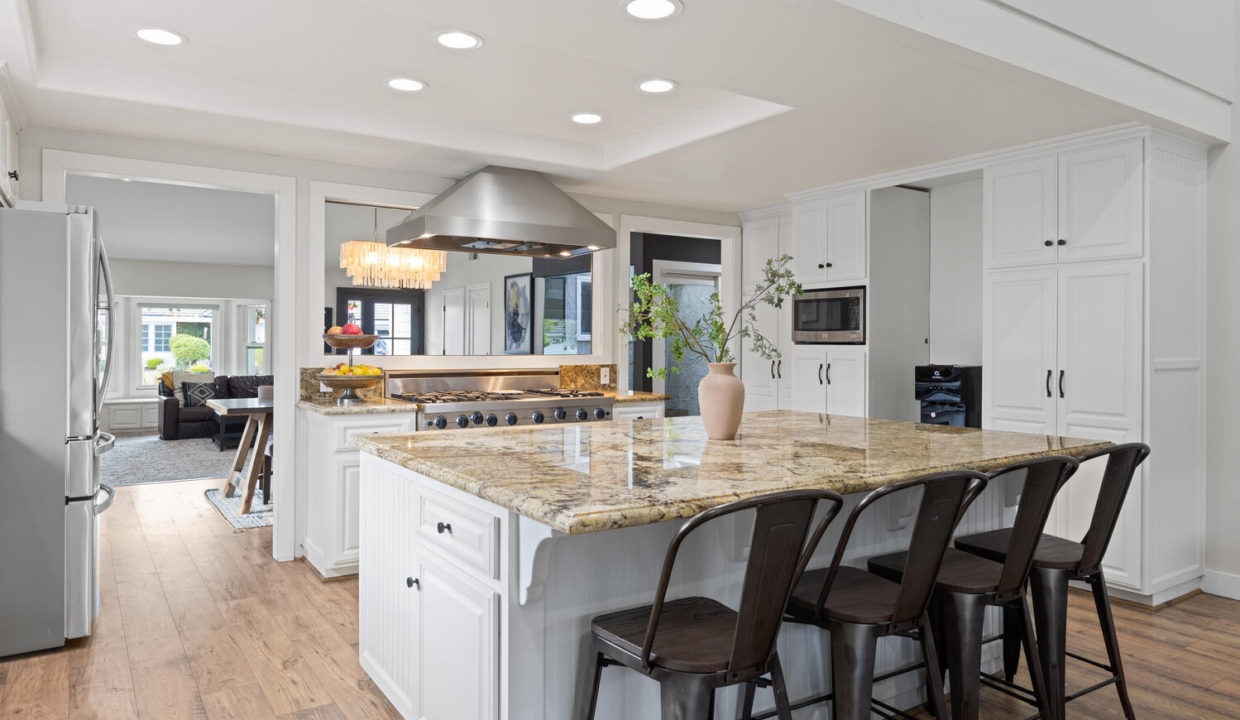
<point x="351" y="329"/>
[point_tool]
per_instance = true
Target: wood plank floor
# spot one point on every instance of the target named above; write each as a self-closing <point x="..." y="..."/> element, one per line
<point x="199" y="622"/>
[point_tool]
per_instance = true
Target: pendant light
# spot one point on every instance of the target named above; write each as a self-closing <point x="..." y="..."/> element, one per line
<point x="370" y="263"/>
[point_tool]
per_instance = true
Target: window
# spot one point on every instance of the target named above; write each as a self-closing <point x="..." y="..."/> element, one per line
<point x="174" y="338"/>
<point x="585" y="307"/>
<point x="567" y="314"/>
<point x="394" y="315"/>
<point x="255" y="318"/>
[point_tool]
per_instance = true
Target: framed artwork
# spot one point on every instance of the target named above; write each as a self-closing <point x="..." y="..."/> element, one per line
<point x="519" y="314"/>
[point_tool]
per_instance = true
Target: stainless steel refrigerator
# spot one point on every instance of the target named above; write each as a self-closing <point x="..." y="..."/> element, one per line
<point x="55" y="356"/>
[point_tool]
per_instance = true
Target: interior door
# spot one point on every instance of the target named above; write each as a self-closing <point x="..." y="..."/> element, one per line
<point x="808" y="378"/>
<point x="846" y="236"/>
<point x="759" y="243"/>
<point x="1019" y="212"/>
<point x="691" y="285"/>
<point x="454" y="321"/>
<point x="845" y="380"/>
<point x="459" y="646"/>
<point x="478" y="309"/>
<point x="1018" y="351"/>
<point x="1100" y="202"/>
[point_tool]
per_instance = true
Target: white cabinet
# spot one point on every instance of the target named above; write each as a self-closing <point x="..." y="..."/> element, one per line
<point x="332" y="531"/>
<point x="622" y="411"/>
<point x="829" y="380"/>
<point x="8" y="152"/>
<point x="1084" y="204"/>
<point x="765" y="385"/>
<point x="830" y="238"/>
<point x="458" y="645"/>
<point x="1018" y="358"/>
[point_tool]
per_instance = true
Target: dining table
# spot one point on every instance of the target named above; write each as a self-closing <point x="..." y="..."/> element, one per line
<point x="248" y="462"/>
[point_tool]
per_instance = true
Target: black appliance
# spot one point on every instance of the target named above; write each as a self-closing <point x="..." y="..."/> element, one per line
<point x="950" y="394"/>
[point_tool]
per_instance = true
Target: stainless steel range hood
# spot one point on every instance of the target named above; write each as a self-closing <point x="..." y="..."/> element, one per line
<point x="504" y="211"/>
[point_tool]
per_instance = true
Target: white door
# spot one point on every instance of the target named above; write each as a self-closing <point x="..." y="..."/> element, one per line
<point x="1018" y="350"/>
<point x="846" y="236"/>
<point x="1100" y="202"/>
<point x="454" y="321"/>
<point x="458" y="646"/>
<point x="478" y="318"/>
<point x="809" y="232"/>
<point x="691" y="285"/>
<point x="846" y="383"/>
<point x="1099" y="393"/>
<point x="808" y="378"/>
<point x="1019" y="212"/>
<point x="759" y="242"/>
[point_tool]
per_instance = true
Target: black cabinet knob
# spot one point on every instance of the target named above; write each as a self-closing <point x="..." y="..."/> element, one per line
<point x="12" y="174"/>
<point x="821" y="266"/>
<point x="444" y="527"/>
<point x="582" y="414"/>
<point x="1049" y="243"/>
<point x="829" y="265"/>
<point x="1062" y="241"/>
<point x="413" y="582"/>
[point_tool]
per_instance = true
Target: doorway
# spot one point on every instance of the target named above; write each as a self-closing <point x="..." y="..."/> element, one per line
<point x="691" y="285"/>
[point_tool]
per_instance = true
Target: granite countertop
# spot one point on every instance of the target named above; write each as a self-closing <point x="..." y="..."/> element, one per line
<point x="328" y="406"/>
<point x="637" y="396"/>
<point x="592" y="477"/>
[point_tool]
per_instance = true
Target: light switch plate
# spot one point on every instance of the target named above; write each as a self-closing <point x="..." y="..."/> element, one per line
<point x="604" y="376"/>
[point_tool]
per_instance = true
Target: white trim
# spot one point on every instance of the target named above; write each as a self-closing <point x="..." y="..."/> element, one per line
<point x="690" y="271"/>
<point x="1217" y="582"/>
<point x="282" y="329"/>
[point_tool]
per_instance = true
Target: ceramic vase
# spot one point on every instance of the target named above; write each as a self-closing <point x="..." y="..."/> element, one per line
<point x="721" y="397"/>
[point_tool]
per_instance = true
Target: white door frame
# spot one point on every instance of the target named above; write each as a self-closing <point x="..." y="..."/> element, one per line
<point x="687" y="273"/>
<point x="59" y="164"/>
<point x="729" y="238"/>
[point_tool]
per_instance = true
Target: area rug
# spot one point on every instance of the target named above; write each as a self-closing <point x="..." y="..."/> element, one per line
<point x="139" y="459"/>
<point x="260" y="514"/>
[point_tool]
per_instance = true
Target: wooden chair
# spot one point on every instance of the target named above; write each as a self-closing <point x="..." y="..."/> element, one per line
<point x="1055" y="562"/>
<point x="966" y="585"/>
<point x="695" y="645"/>
<point x="859" y="607"/>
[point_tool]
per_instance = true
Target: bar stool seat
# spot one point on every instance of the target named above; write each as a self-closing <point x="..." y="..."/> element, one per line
<point x="960" y="572"/>
<point x="695" y="634"/>
<point x="856" y="596"/>
<point x="1053" y="552"/>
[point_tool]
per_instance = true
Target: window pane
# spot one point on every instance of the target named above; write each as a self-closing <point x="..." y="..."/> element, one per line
<point x="174" y="339"/>
<point x="402" y="347"/>
<point x="553" y="309"/>
<point x="402" y="322"/>
<point x="354" y="314"/>
<point x="585" y="312"/>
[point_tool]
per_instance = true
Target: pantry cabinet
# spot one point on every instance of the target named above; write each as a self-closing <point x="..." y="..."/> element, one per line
<point x="829" y="234"/>
<point x="767" y="382"/>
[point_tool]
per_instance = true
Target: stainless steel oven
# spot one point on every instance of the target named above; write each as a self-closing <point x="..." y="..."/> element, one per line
<point x="835" y="316"/>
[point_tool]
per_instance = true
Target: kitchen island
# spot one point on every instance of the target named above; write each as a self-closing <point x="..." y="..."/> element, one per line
<point x="485" y="554"/>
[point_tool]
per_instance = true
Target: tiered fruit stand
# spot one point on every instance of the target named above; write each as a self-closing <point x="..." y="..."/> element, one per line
<point x="350" y="384"/>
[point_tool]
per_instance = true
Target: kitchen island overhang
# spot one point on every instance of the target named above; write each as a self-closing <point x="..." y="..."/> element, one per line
<point x="485" y="555"/>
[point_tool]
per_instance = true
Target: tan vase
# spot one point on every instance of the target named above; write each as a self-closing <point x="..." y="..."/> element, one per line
<point x="721" y="397"/>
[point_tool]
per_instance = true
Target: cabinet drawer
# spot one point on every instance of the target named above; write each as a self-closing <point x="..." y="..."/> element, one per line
<point x="466" y="533"/>
<point x="345" y="434"/>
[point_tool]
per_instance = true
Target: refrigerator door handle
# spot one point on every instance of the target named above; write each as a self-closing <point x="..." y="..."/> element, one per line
<point x="101" y="505"/>
<point x="104" y="442"/>
<point x="106" y="271"/>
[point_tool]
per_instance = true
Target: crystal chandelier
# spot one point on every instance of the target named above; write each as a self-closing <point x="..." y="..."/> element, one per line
<point x="371" y="263"/>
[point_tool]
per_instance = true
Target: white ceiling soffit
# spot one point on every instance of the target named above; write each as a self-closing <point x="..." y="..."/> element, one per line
<point x="772" y="96"/>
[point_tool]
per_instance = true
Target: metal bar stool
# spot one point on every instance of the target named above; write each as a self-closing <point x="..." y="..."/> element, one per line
<point x="695" y="645"/>
<point x="1057" y="561"/>
<point x="858" y="607"/>
<point x="967" y="584"/>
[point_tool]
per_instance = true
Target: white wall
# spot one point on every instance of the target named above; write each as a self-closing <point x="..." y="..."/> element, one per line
<point x="193" y="280"/>
<point x="464" y="270"/>
<point x="956" y="273"/>
<point x="1222" y="359"/>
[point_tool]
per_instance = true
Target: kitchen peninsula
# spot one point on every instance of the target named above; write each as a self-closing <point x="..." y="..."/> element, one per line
<point x="484" y="555"/>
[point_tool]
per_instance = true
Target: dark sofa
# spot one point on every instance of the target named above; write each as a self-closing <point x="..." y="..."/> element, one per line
<point x="176" y="422"/>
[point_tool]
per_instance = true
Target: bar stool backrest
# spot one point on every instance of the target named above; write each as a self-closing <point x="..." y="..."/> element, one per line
<point x="778" y="554"/>
<point x="1122" y="463"/>
<point x="1043" y="479"/>
<point x="944" y="495"/>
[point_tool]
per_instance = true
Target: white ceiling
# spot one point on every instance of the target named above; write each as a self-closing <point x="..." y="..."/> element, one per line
<point x="774" y="95"/>
<point x="177" y="223"/>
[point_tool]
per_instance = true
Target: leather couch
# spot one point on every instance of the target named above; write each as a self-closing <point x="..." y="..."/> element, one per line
<point x="176" y="422"/>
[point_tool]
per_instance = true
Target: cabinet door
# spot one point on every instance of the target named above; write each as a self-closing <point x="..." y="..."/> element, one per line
<point x="347" y="490"/>
<point x="808" y="378"/>
<point x="1018" y="351"/>
<point x="760" y="241"/>
<point x="8" y="154"/>
<point x="845" y="376"/>
<point x="809" y="231"/>
<point x="1099" y="392"/>
<point x="1100" y="202"/>
<point x="846" y="236"/>
<point x="459" y="646"/>
<point x="1019" y="213"/>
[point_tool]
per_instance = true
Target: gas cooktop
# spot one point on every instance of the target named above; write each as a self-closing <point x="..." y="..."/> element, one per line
<point x="465" y="409"/>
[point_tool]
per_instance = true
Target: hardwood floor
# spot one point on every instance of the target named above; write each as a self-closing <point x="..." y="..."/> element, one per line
<point x="200" y="623"/>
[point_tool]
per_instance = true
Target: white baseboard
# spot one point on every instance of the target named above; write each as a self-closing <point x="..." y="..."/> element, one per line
<point x="1217" y="582"/>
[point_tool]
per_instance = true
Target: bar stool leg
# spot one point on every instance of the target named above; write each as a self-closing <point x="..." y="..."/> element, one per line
<point x="963" y="633"/>
<point x="744" y="704"/>
<point x="684" y="697"/>
<point x="853" y="648"/>
<point x="782" y="706"/>
<point x="1032" y="655"/>
<point x="1102" y="600"/>
<point x="1011" y="641"/>
<point x="934" y="671"/>
<point x="593" y="675"/>
<point x="1050" y="610"/>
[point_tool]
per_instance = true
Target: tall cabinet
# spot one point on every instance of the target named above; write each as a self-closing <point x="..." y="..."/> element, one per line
<point x="1094" y="264"/>
<point x="768" y="383"/>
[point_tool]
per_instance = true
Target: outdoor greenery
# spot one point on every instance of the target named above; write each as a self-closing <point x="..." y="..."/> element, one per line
<point x="655" y="314"/>
<point x="154" y="363"/>
<point x="188" y="349"/>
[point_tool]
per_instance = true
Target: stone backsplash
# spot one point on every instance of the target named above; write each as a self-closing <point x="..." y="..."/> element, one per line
<point x="312" y="390"/>
<point x="586" y="377"/>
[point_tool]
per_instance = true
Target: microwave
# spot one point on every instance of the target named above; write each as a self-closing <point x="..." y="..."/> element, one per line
<point x="835" y="316"/>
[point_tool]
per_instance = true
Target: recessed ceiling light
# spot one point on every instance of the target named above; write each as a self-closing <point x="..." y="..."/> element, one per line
<point x="158" y="36"/>
<point x="406" y="84"/>
<point x="652" y="9"/>
<point x="656" y="85"/>
<point x="458" y="40"/>
<point x="587" y="118"/>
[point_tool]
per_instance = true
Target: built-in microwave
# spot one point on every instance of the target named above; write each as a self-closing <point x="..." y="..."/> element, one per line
<point x="835" y="316"/>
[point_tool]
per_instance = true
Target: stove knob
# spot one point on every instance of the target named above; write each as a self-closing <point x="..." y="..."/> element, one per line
<point x="600" y="413"/>
<point x="511" y="418"/>
<point x="560" y="414"/>
<point x="462" y="421"/>
<point x="537" y="417"/>
<point x="476" y="417"/>
<point x="440" y="423"/>
<point x="582" y="414"/>
<point x="491" y="420"/>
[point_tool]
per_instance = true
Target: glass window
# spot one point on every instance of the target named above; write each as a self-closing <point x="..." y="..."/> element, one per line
<point x="255" y="318"/>
<point x="174" y="338"/>
<point x="567" y="314"/>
